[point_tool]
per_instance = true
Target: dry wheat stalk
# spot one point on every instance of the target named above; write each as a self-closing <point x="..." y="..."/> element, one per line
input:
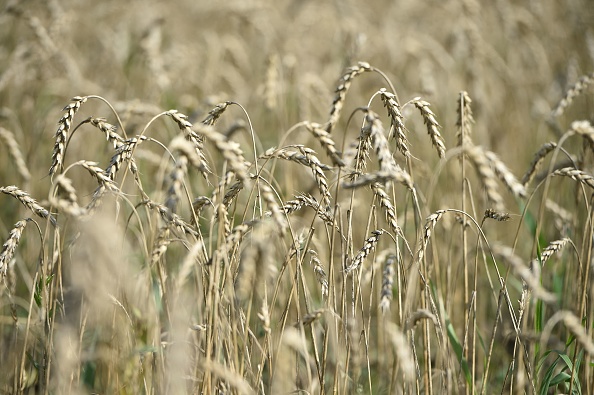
<point x="387" y="283"/>
<point x="64" y="125"/>
<point x="576" y="175"/>
<point x="108" y="129"/>
<point x="580" y="86"/>
<point x="196" y="139"/>
<point x="15" y="152"/>
<point x="215" y="113"/>
<point x="432" y="125"/>
<point x="319" y="272"/>
<point x="28" y="202"/>
<point x="391" y="103"/>
<point x="465" y="119"/>
<point x="544" y="150"/>
<point x="368" y="246"/>
<point x="497" y="216"/>
<point x="10" y="246"/>
<point x="238" y="232"/>
<point x="509" y="180"/>
<point x="326" y="141"/>
<point x="341" y="90"/>
<point x="486" y="175"/>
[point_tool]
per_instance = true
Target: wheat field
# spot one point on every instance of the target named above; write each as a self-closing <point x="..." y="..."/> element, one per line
<point x="296" y="197"/>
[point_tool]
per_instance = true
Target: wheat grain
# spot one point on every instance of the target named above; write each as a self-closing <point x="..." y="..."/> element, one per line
<point x="432" y="125"/>
<point x="368" y="246"/>
<point x="64" y="125"/>
<point x="9" y="247"/>
<point x="28" y="202"/>
<point x="580" y="86"/>
<point x="326" y="141"/>
<point x="387" y="283"/>
<point x="341" y="90"/>
<point x="544" y="150"/>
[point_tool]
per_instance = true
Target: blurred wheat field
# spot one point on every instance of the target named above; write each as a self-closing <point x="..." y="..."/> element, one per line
<point x="296" y="197"/>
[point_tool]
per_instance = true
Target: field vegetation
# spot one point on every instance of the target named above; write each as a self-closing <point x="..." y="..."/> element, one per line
<point x="296" y="197"/>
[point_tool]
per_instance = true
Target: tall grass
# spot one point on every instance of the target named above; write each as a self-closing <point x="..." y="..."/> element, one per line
<point x="298" y="197"/>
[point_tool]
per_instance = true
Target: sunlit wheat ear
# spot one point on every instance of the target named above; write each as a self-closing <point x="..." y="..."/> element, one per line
<point x="391" y="103"/>
<point x="215" y="113"/>
<point x="585" y="130"/>
<point x="10" y="246"/>
<point x="544" y="150"/>
<point x="368" y="246"/>
<point x="583" y="83"/>
<point x="326" y="141"/>
<point x="63" y="186"/>
<point x="486" y="175"/>
<point x="230" y="151"/>
<point x="505" y="175"/>
<point x="497" y="216"/>
<point x="550" y="250"/>
<point x="28" y="202"/>
<point x="319" y="272"/>
<point x="64" y="125"/>
<point x="465" y="119"/>
<point x="381" y="177"/>
<point x="387" y="283"/>
<point x="100" y="175"/>
<point x="123" y="154"/>
<point x="341" y="90"/>
<point x="532" y="279"/>
<point x="108" y="129"/>
<point x="387" y="205"/>
<point x="432" y="125"/>
<point x="575" y="174"/>
<point x="305" y="156"/>
<point x="380" y="142"/>
<point x="196" y="139"/>
<point x="185" y="154"/>
<point x="277" y="213"/>
<point x="14" y="150"/>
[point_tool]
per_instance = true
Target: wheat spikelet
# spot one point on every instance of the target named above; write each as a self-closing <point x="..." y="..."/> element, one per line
<point x="465" y="119"/>
<point x="552" y="248"/>
<point x="186" y="154"/>
<point x="583" y="83"/>
<point x="64" y="125"/>
<point x="161" y="243"/>
<point x="326" y="141"/>
<point x="380" y="143"/>
<point x="99" y="174"/>
<point x="509" y="180"/>
<point x="28" y="202"/>
<point x="497" y="216"/>
<point x="123" y="153"/>
<point x="544" y="150"/>
<point x="575" y="174"/>
<point x="215" y="113"/>
<point x="387" y="205"/>
<point x="198" y="141"/>
<point x="319" y="272"/>
<point x="15" y="152"/>
<point x="585" y="130"/>
<point x="432" y="125"/>
<point x="486" y="175"/>
<point x="391" y="103"/>
<point x="305" y="156"/>
<point x="10" y="245"/>
<point x="341" y="90"/>
<point x="108" y="129"/>
<point x="368" y="246"/>
<point x="387" y="283"/>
